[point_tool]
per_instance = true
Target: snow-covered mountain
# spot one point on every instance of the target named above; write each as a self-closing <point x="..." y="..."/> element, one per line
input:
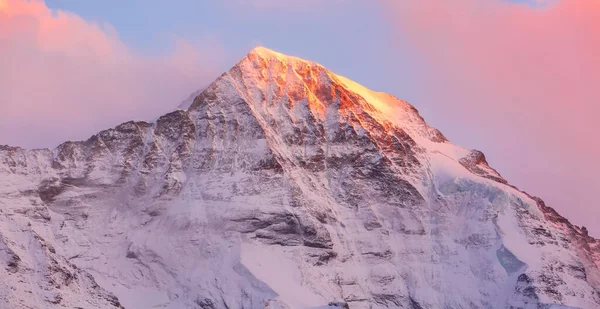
<point x="283" y="185"/>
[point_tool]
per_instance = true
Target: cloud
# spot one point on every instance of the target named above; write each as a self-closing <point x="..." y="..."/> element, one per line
<point x="520" y="80"/>
<point x="65" y="78"/>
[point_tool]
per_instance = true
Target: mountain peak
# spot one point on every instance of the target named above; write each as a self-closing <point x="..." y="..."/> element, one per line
<point x="283" y="185"/>
<point x="266" y="79"/>
<point x="261" y="50"/>
<point x="264" y="52"/>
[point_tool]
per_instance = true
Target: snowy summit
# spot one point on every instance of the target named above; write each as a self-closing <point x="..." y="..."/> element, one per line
<point x="281" y="185"/>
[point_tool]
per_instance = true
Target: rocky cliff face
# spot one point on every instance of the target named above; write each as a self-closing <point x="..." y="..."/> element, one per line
<point x="282" y="185"/>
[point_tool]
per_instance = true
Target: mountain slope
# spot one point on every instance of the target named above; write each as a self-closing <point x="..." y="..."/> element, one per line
<point x="284" y="185"/>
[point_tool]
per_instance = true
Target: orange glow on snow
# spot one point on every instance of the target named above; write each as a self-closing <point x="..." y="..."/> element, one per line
<point x="300" y="80"/>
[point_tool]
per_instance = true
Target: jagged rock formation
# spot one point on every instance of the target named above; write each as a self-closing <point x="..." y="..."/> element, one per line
<point x="282" y="185"/>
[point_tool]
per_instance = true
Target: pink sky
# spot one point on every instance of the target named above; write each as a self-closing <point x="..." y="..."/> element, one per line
<point x="62" y="75"/>
<point x="524" y="83"/>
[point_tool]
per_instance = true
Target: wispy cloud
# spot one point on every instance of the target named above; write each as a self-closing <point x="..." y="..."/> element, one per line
<point x="64" y="77"/>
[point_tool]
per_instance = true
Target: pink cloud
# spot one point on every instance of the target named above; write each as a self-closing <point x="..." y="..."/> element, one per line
<point x="65" y="78"/>
<point x="519" y="81"/>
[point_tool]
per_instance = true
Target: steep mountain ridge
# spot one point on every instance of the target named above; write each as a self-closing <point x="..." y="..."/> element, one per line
<point x="284" y="185"/>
